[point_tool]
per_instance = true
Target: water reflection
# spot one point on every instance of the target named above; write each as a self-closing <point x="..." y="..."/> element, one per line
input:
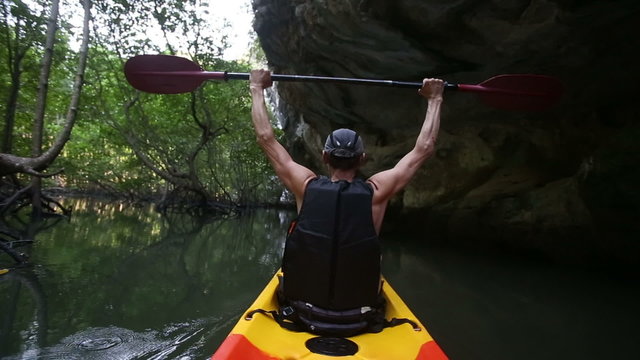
<point x="123" y="283"/>
<point x="24" y="282"/>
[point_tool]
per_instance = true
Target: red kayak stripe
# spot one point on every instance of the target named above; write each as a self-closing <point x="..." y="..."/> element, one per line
<point x="236" y="346"/>
<point x="431" y="351"/>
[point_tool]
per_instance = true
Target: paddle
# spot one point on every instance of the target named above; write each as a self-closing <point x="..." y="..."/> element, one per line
<point x="166" y="74"/>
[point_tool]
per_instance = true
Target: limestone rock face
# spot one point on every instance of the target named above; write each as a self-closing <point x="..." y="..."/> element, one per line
<point x="563" y="182"/>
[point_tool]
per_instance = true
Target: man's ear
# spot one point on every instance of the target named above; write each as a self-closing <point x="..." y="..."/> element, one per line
<point x="363" y="158"/>
<point x="325" y="157"/>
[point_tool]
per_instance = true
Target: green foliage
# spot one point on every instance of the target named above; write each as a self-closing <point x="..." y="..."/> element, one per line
<point x="117" y="124"/>
<point x="202" y="141"/>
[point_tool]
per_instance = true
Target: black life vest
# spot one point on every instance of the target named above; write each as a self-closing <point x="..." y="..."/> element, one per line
<point x="332" y="252"/>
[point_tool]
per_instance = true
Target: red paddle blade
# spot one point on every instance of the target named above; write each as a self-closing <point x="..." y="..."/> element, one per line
<point x="165" y="74"/>
<point x="518" y="91"/>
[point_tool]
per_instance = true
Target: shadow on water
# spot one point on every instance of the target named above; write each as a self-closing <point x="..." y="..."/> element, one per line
<point x="123" y="283"/>
<point x="479" y="307"/>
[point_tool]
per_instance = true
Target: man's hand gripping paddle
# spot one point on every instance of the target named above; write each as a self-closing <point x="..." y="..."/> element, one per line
<point x="166" y="74"/>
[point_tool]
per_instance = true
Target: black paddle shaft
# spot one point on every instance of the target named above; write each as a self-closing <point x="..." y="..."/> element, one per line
<point x="339" y="80"/>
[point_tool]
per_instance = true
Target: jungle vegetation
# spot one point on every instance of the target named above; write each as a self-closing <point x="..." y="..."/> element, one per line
<point x="72" y="123"/>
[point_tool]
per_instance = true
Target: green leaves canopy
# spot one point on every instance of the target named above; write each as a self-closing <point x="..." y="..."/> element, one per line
<point x="202" y="141"/>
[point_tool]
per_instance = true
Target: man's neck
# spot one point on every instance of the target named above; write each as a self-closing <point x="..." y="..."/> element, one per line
<point x="338" y="174"/>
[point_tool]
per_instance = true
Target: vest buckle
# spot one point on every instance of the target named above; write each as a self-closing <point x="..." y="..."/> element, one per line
<point x="287" y="311"/>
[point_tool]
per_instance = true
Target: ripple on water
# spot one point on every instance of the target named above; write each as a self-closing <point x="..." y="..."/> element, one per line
<point x="103" y="343"/>
<point x="175" y="341"/>
<point x="100" y="344"/>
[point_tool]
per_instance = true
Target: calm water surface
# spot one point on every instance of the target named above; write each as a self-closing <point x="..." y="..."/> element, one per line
<point x="124" y="283"/>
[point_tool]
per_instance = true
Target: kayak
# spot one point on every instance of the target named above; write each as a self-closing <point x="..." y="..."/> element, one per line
<point x="259" y="336"/>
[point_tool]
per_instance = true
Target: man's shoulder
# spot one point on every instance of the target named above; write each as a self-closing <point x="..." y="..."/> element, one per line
<point x="373" y="183"/>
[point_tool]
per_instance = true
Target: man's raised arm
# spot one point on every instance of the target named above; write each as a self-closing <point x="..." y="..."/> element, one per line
<point x="293" y="175"/>
<point x="389" y="182"/>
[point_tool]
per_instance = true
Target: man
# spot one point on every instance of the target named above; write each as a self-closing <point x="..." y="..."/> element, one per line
<point x="332" y="254"/>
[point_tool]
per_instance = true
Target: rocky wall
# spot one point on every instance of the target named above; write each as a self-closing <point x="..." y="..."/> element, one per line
<point x="562" y="182"/>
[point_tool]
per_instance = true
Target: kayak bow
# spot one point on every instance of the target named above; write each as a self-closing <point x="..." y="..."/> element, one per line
<point x="260" y="337"/>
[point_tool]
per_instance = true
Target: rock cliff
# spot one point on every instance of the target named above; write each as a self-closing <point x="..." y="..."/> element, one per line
<point x="562" y="182"/>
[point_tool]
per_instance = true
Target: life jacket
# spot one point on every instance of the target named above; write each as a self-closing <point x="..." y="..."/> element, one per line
<point x="332" y="252"/>
<point x="331" y="265"/>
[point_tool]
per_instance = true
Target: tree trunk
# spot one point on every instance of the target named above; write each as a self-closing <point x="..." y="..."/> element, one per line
<point x="43" y="82"/>
<point x="41" y="104"/>
<point x="10" y="113"/>
<point x="52" y="153"/>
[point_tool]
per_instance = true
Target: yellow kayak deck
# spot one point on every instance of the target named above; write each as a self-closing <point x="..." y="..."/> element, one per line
<point x="262" y="338"/>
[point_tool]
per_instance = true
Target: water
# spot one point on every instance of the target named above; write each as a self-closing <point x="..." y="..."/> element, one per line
<point x="124" y="283"/>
